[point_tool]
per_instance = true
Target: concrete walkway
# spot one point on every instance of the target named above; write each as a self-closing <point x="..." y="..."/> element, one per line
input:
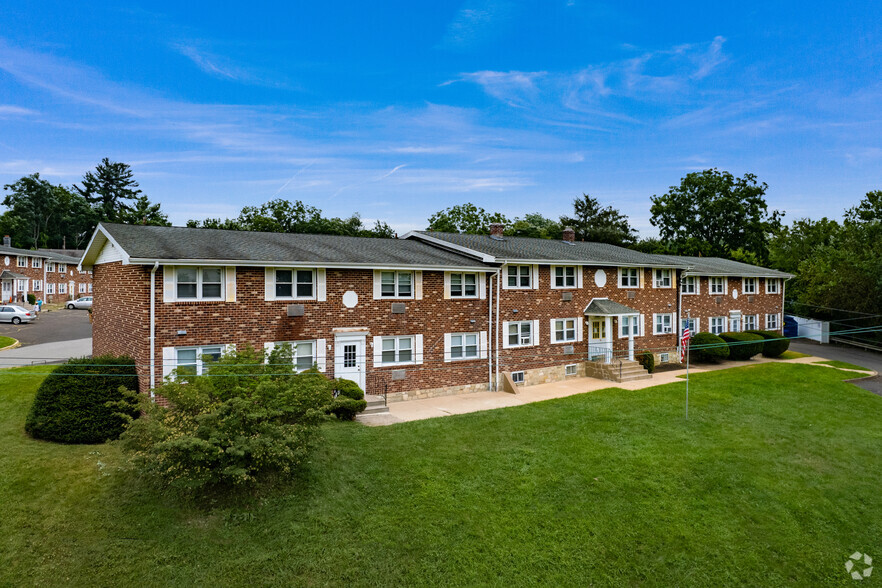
<point x="413" y="410"/>
<point x="56" y="352"/>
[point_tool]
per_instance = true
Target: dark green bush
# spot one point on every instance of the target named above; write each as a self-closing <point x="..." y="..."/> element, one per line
<point x="253" y="425"/>
<point x="348" y="389"/>
<point x="774" y="345"/>
<point x="743" y="346"/>
<point x="707" y="347"/>
<point x="32" y="299"/>
<point x="81" y="401"/>
<point x="647" y="360"/>
<point x="345" y="408"/>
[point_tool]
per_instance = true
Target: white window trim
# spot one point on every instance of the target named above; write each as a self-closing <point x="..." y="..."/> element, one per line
<point x="744" y="318"/>
<point x="641" y="330"/>
<point x="671" y="278"/>
<point x="630" y="269"/>
<point x="777" y="326"/>
<point x="695" y="320"/>
<point x="21" y="261"/>
<point x="36" y="263"/>
<point x="294" y="271"/>
<point x="710" y="287"/>
<point x="745" y="281"/>
<point x="577" y="277"/>
<point x="574" y="367"/>
<point x="482" y="346"/>
<point x="534" y="334"/>
<point x="655" y="316"/>
<point x="81" y="288"/>
<point x="416" y="285"/>
<point x="319" y="351"/>
<point x="416" y="350"/>
<point x="696" y="281"/>
<point x="50" y="288"/>
<point x="777" y="283"/>
<point x="319" y="284"/>
<point x="480" y="286"/>
<point x="62" y="268"/>
<point x="38" y="285"/>
<point x="199" y="297"/>
<point x="50" y="266"/>
<point x="170" y="357"/>
<point x="534" y="277"/>
<point x="518" y="377"/>
<point x="89" y="287"/>
<point x="577" y="329"/>
<point x="710" y="324"/>
<point x="62" y="288"/>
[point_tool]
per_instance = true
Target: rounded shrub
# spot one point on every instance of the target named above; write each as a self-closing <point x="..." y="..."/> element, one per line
<point x="32" y="298"/>
<point x="647" y="360"/>
<point x="81" y="401"/>
<point x="743" y="346"/>
<point x="348" y="389"/>
<point x="707" y="347"/>
<point x="345" y="408"/>
<point x="774" y="345"/>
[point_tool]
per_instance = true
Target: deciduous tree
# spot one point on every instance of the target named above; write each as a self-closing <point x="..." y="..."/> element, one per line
<point x="465" y="218"/>
<point x="592" y="222"/>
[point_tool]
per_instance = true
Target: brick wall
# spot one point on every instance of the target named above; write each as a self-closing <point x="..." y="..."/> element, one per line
<point x="71" y="274"/>
<point x="704" y="305"/>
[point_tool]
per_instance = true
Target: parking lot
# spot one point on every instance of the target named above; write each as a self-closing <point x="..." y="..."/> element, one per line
<point x="57" y="325"/>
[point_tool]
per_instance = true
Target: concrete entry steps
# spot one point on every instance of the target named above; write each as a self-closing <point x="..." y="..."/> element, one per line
<point x="375" y="405"/>
<point x="627" y="371"/>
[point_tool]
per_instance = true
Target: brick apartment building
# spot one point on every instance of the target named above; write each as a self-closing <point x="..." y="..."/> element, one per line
<point x="424" y="315"/>
<point x="49" y="275"/>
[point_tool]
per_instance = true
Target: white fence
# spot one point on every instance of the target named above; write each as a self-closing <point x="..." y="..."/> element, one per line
<point x="812" y="329"/>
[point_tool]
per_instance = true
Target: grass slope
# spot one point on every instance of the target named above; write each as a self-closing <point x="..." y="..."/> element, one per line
<point x="773" y="480"/>
<point x="793" y="355"/>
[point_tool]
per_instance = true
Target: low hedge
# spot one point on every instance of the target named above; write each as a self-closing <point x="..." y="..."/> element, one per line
<point x="647" y="360"/>
<point x="698" y="352"/>
<point x="348" y="389"/>
<point x="774" y="345"/>
<point x="743" y="346"/>
<point x="81" y="402"/>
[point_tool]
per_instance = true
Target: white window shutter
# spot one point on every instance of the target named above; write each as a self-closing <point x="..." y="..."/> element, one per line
<point x="446" y="285"/>
<point x="229" y="348"/>
<point x="503" y="277"/>
<point x="482" y="286"/>
<point x="579" y="276"/>
<point x="579" y="330"/>
<point x="551" y="331"/>
<point x="482" y="349"/>
<point x="446" y="347"/>
<point x="535" y="333"/>
<point x="641" y="325"/>
<point x="321" y="285"/>
<point x="231" y="283"/>
<point x="418" y="349"/>
<point x="674" y="324"/>
<point x="168" y="283"/>
<point x="619" y="278"/>
<point x="377" y="290"/>
<point x="534" y="281"/>
<point x="641" y="276"/>
<point x="268" y="348"/>
<point x="725" y="285"/>
<point x="378" y="351"/>
<point x="321" y="354"/>
<point x="269" y="283"/>
<point x="169" y="359"/>
<point x="418" y="285"/>
<point x="504" y="334"/>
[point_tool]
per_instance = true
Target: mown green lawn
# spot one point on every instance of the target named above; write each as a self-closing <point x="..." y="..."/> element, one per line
<point x="6" y="341"/>
<point x="843" y="364"/>
<point x="774" y="480"/>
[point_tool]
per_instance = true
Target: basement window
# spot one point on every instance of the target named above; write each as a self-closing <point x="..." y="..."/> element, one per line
<point x="517" y="377"/>
<point x="571" y="370"/>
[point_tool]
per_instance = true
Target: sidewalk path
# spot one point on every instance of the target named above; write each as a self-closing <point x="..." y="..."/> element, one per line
<point x="56" y="352"/>
<point x="413" y="410"/>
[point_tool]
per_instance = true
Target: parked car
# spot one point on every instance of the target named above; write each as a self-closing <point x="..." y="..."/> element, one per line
<point x="83" y="303"/>
<point x="11" y="313"/>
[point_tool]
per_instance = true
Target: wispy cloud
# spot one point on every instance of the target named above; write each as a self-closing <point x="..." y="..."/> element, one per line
<point x="224" y="68"/>
<point x="12" y="111"/>
<point x="477" y="22"/>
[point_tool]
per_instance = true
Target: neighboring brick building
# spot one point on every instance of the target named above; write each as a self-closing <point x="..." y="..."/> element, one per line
<point x="420" y="316"/>
<point x="48" y="275"/>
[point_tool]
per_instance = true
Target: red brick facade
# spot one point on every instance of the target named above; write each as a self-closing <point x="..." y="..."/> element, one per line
<point x="735" y="303"/>
<point x="51" y="281"/>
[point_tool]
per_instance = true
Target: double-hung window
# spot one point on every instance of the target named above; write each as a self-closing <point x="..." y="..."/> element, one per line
<point x="629" y="325"/>
<point x="82" y="288"/>
<point x="397" y="350"/>
<point x="89" y="288"/>
<point x="62" y="268"/>
<point x="692" y="323"/>
<point x="463" y="285"/>
<point x="750" y="285"/>
<point x="396" y="284"/>
<point x="749" y="322"/>
<point x="520" y="334"/>
<point x="22" y="261"/>
<point x="689" y="285"/>
<point x="564" y="276"/>
<point x="292" y="283"/>
<point x="564" y="330"/>
<point x="773" y="286"/>
<point x="192" y="361"/>
<point x="62" y="288"/>
<point x="22" y="285"/>
<point x="717" y="324"/>
<point x="771" y="322"/>
<point x="663" y="324"/>
<point x="50" y="266"/>
<point x="629" y="277"/>
<point x="519" y="276"/>
<point x="199" y="283"/>
<point x="36" y="262"/>
<point x="662" y="278"/>
<point x="50" y="288"/>
<point x="38" y="285"/>
<point x="463" y="346"/>
<point x="717" y="286"/>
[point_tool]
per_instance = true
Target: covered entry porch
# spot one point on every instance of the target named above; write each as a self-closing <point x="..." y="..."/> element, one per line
<point x="599" y="315"/>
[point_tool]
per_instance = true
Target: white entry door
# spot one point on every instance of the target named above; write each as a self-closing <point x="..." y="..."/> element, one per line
<point x="70" y="289"/>
<point x="7" y="290"/>
<point x="350" y="359"/>
<point x="599" y="339"/>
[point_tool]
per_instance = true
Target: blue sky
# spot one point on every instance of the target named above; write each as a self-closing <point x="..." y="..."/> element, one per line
<point x="398" y="109"/>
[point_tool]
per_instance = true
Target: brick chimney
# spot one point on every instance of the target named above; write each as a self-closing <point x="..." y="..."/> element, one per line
<point x="7" y="241"/>
<point x="496" y="230"/>
<point x="569" y="235"/>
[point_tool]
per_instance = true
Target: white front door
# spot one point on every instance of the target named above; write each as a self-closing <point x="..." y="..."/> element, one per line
<point x="350" y="359"/>
<point x="70" y="290"/>
<point x="7" y="290"/>
<point x="599" y="339"/>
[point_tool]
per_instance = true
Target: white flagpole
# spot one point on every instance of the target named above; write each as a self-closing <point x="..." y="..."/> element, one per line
<point x="688" y="317"/>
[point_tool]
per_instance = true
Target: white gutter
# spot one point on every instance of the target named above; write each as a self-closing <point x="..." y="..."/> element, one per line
<point x="490" y="338"/>
<point x="307" y="264"/>
<point x="496" y="342"/>
<point x="153" y="329"/>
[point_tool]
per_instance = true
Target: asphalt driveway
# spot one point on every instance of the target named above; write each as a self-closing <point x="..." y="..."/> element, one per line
<point x="57" y="325"/>
<point x="868" y="359"/>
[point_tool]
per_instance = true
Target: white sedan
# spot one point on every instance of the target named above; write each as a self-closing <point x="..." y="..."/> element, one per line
<point x="11" y="313"/>
<point x="81" y="303"/>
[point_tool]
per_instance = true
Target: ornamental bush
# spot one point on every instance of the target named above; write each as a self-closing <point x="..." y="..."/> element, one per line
<point x="716" y="348"/>
<point x="249" y="419"/>
<point x="348" y="389"/>
<point x="82" y="402"/>
<point x="743" y="346"/>
<point x="774" y="345"/>
<point x="647" y="360"/>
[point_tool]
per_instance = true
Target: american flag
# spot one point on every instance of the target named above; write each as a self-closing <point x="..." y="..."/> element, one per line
<point x="684" y="342"/>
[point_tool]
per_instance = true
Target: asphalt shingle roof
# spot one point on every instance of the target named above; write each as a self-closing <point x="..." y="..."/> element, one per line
<point x="183" y="243"/>
<point x="605" y="307"/>
<point x="717" y="266"/>
<point x="38" y="253"/>
<point x="530" y="249"/>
